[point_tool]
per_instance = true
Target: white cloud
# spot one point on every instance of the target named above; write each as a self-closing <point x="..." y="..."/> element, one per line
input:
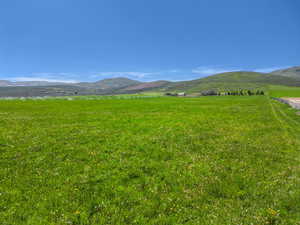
<point x="173" y="71"/>
<point x="171" y="74"/>
<point x="268" y="69"/>
<point x="212" y="70"/>
<point x="205" y="71"/>
<point x="42" y="79"/>
<point x="67" y="77"/>
<point x="47" y="74"/>
<point x="122" y="74"/>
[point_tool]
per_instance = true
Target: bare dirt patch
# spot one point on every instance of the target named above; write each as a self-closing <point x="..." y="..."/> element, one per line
<point x="294" y="102"/>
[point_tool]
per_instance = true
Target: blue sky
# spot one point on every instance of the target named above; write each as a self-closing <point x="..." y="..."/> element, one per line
<point x="76" y="40"/>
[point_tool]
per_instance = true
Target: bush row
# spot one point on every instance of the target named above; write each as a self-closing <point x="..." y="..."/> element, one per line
<point x="237" y="92"/>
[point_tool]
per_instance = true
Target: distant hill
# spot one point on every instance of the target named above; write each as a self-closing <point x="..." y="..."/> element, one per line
<point x="34" y="91"/>
<point x="42" y="88"/>
<point x="121" y="85"/>
<point x="148" y="85"/>
<point x="109" y="84"/>
<point x="6" y="83"/>
<point x="112" y="83"/>
<point x="293" y="72"/>
<point x="231" y="80"/>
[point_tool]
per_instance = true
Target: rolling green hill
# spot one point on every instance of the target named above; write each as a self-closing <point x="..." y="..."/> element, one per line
<point x="229" y="81"/>
<point x="293" y="72"/>
<point x="102" y="87"/>
<point x="120" y="85"/>
<point x="110" y="84"/>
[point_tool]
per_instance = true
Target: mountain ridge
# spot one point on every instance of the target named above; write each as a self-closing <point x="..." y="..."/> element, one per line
<point x="8" y="83"/>
<point x="123" y="80"/>
<point x="122" y="85"/>
<point x="293" y="72"/>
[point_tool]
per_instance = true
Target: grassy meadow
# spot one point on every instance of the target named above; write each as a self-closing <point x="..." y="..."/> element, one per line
<point x="207" y="160"/>
<point x="284" y="91"/>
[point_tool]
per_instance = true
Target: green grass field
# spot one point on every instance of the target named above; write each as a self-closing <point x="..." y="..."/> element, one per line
<point x="283" y="91"/>
<point x="208" y="160"/>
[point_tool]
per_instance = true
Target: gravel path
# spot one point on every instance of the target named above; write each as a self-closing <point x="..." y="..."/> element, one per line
<point x="294" y="102"/>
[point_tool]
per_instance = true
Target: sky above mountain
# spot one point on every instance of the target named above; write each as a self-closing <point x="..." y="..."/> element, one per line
<point x="75" y="40"/>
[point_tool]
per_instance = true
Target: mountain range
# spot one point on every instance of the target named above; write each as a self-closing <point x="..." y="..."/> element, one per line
<point x="293" y="72"/>
<point x="121" y="85"/>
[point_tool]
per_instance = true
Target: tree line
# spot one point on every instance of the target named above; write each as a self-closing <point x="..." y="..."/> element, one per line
<point x="236" y="92"/>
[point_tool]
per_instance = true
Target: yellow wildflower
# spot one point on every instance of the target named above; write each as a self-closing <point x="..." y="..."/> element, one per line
<point x="272" y="212"/>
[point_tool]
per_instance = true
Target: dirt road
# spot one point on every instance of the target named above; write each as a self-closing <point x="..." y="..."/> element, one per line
<point x="294" y="102"/>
